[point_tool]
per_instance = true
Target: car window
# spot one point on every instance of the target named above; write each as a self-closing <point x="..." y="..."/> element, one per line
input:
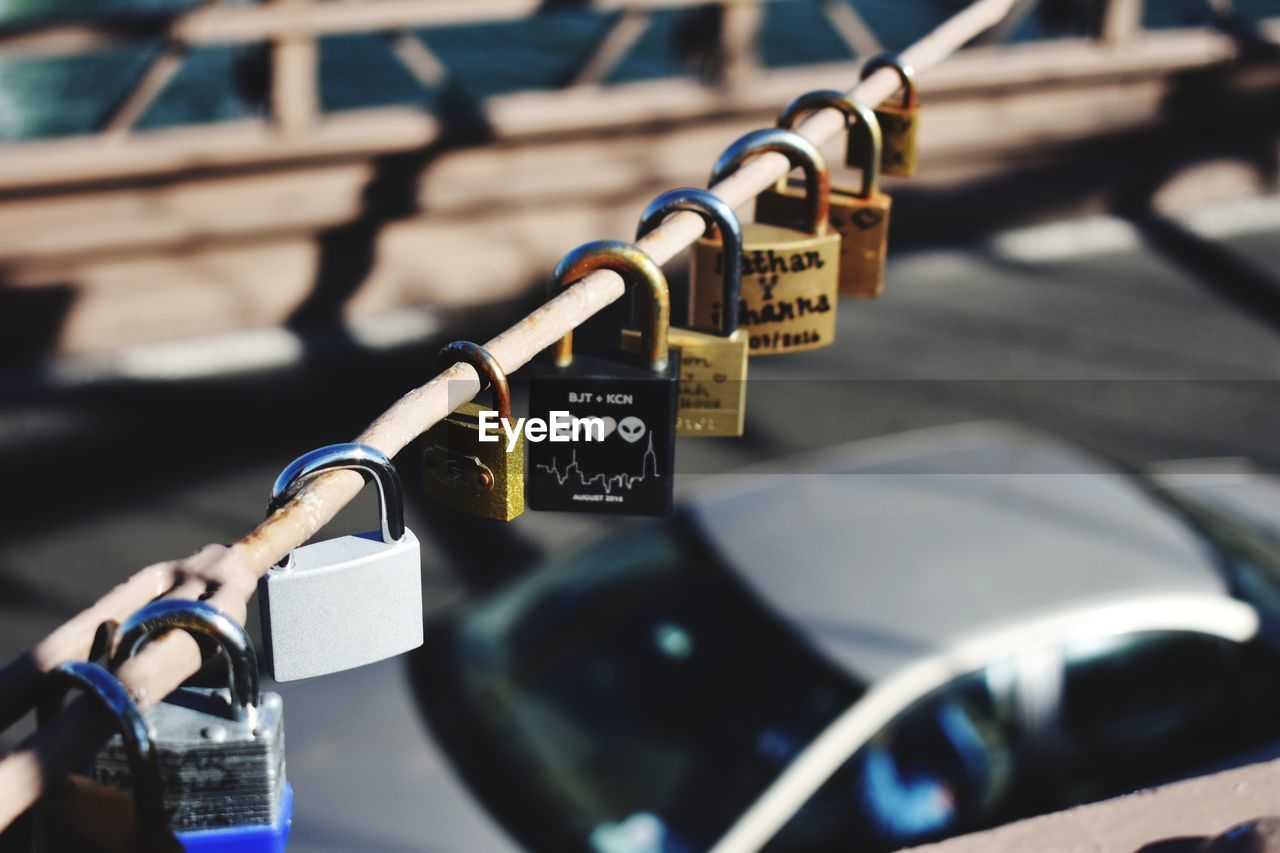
<point x="1134" y="710"/>
<point x="941" y="767"/>
<point x="641" y="692"/>
<point x="1141" y="707"/>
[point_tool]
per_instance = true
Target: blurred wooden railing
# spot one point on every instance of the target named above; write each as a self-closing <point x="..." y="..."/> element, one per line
<point x="227" y="215"/>
<point x="292" y="30"/>
<point x="128" y="236"/>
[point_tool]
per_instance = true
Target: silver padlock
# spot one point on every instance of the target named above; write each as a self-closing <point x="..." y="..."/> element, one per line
<point x="220" y="751"/>
<point x="349" y="601"/>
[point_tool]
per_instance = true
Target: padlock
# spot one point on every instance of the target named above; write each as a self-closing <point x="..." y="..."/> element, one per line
<point x="349" y="601"/>
<point x="861" y="217"/>
<point x="790" y="278"/>
<point x="611" y="420"/>
<point x="84" y="815"/>
<point x="713" y="363"/>
<point x="899" y="123"/>
<point x="220" y="751"/>
<point x="459" y="469"/>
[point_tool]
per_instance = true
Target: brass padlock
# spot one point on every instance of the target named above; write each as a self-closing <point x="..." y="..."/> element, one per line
<point x="790" y="277"/>
<point x="482" y="477"/>
<point x="861" y="217"/>
<point x="713" y="364"/>
<point x="899" y="123"/>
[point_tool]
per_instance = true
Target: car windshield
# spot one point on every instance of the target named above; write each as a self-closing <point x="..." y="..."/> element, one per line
<point x="640" y="692"/>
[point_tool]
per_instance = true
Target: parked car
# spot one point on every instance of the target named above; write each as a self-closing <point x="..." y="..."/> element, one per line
<point x="885" y="644"/>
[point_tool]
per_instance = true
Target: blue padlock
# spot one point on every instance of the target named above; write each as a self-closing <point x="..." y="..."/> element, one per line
<point x="270" y="838"/>
<point x="219" y="752"/>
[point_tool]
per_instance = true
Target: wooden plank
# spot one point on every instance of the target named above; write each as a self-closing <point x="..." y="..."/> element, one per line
<point x="739" y="61"/>
<point x="613" y="48"/>
<point x="174" y="217"/>
<point x="242" y="144"/>
<point x="851" y="28"/>
<point x="162" y="69"/>
<point x="295" y="100"/>
<point x="1001" y="33"/>
<point x="72" y="39"/>
<point x="418" y="59"/>
<point x="1121" y="21"/>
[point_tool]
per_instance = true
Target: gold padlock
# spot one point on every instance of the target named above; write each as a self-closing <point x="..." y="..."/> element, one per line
<point x="899" y="123"/>
<point x="861" y="217"/>
<point x="713" y="365"/>
<point x="790" y="277"/>
<point x="483" y="478"/>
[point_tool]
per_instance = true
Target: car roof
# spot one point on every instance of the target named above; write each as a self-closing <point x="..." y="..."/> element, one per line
<point x="884" y="551"/>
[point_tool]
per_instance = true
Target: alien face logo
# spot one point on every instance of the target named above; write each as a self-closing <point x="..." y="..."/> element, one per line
<point x="631" y="429"/>
<point x="866" y="217"/>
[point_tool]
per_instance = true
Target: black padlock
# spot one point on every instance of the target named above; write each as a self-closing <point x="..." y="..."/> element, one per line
<point x="610" y="421"/>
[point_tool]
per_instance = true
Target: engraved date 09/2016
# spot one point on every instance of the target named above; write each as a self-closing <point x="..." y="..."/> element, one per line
<point x="785" y="340"/>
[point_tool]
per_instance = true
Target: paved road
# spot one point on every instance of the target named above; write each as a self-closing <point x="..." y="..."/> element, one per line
<point x="1142" y="342"/>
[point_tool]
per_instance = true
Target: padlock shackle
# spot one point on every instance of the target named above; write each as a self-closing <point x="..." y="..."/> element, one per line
<point x="144" y="761"/>
<point x="638" y="270"/>
<point x="858" y="117"/>
<point x="802" y="153"/>
<point x="719" y="217"/>
<point x="485" y="365"/>
<point x="197" y="617"/>
<point x="906" y="76"/>
<point x="370" y="461"/>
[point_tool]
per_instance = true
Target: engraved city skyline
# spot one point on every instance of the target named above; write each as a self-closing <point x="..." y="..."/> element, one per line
<point x="648" y="464"/>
